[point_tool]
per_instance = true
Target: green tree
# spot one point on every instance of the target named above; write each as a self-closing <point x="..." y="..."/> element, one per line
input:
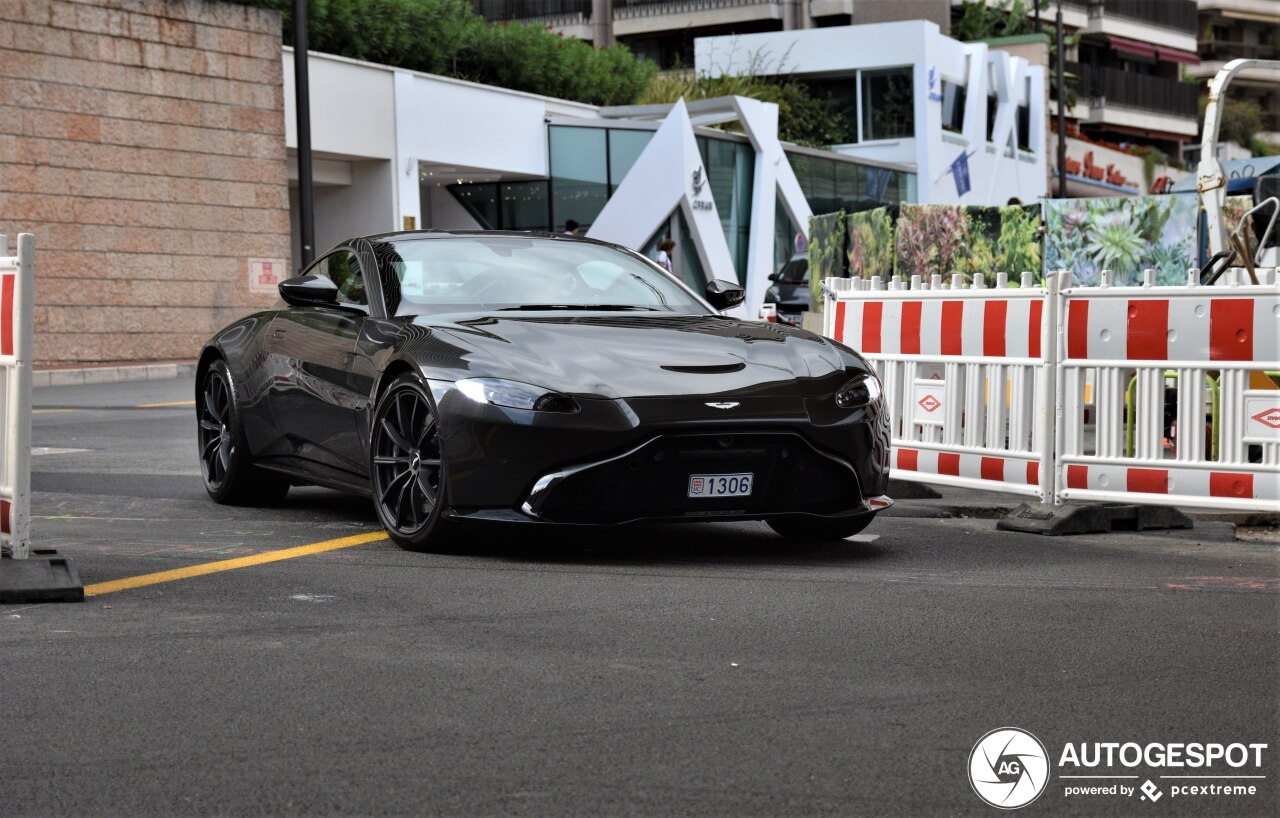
<point x="1241" y="119"/>
<point x="447" y="37"/>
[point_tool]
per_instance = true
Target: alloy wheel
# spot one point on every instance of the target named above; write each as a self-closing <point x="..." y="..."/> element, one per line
<point x="406" y="461"/>
<point x="217" y="443"/>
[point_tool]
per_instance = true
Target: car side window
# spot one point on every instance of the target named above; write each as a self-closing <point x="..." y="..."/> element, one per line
<point x="343" y="269"/>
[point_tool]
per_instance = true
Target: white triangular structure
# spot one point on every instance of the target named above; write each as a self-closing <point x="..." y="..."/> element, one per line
<point x="651" y="192"/>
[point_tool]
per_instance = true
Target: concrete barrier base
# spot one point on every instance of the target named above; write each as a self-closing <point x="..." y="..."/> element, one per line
<point x="43" y="577"/>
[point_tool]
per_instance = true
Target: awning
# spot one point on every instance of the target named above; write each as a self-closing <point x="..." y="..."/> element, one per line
<point x="1174" y="55"/>
<point x="1134" y="47"/>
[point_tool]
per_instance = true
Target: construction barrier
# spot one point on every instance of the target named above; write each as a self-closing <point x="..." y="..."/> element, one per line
<point x="1185" y="413"/>
<point x="16" y="308"/>
<point x="965" y="374"/>
<point x="1076" y="393"/>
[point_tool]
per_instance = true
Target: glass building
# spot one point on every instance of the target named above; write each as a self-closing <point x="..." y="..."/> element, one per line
<point x="588" y="162"/>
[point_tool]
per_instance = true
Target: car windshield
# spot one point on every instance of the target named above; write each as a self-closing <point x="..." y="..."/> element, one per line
<point x="488" y="273"/>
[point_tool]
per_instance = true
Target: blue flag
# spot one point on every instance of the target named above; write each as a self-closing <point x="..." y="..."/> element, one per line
<point x="960" y="170"/>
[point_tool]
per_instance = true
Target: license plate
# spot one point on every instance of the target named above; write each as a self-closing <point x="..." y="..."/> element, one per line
<point x="720" y="485"/>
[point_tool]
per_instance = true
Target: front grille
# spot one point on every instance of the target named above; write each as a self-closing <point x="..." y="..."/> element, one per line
<point x="652" y="481"/>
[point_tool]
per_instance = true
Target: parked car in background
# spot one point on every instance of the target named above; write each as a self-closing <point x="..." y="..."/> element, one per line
<point x="790" y="290"/>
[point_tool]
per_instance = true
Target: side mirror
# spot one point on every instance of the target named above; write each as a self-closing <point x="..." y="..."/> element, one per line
<point x="775" y="276"/>
<point x="309" y="290"/>
<point x="723" y="294"/>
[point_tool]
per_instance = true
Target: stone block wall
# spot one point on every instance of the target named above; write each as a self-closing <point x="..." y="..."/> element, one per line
<point x="142" y="141"/>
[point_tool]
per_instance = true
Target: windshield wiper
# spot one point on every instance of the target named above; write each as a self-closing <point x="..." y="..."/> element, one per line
<point x="597" y="307"/>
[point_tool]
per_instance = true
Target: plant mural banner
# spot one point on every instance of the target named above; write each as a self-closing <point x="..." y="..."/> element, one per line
<point x="870" y="243"/>
<point x="1125" y="234"/>
<point x="826" y="253"/>
<point x="949" y="239"/>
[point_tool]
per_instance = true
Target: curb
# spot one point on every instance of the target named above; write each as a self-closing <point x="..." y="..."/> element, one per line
<point x="112" y="374"/>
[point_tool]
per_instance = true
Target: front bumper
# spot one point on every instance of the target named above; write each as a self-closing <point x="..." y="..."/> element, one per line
<point x="619" y="461"/>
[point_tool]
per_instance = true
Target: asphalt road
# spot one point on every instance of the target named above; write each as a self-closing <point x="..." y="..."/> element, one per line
<point x="702" y="670"/>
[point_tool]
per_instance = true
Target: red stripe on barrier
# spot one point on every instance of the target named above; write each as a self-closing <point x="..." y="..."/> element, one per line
<point x="6" y="316"/>
<point x="909" y="343"/>
<point x="993" y="468"/>
<point x="909" y="459"/>
<point x="1148" y="330"/>
<point x="840" y="307"/>
<point x="949" y="463"/>
<point x="1035" y="328"/>
<point x="1077" y="477"/>
<point x="4" y="516"/>
<point x="1148" y="481"/>
<point x="1223" y="484"/>
<point x="952" y="327"/>
<point x="872" y="313"/>
<point x="1231" y="329"/>
<point x="1033" y="474"/>
<point x="994" y="329"/>
<point x="1078" y="330"/>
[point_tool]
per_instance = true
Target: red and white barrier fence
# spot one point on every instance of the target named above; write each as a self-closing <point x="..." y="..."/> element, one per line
<point x="1076" y="393"/>
<point x="1177" y="421"/>
<point x="965" y="374"/>
<point x="16" y="308"/>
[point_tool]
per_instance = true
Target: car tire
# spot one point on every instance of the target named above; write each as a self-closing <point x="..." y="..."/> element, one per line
<point x="230" y="476"/>
<point x="814" y="529"/>
<point x="407" y="472"/>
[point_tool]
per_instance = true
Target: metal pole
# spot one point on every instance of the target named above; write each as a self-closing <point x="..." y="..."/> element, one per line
<point x="602" y="23"/>
<point x="302" y="98"/>
<point x="1062" y="109"/>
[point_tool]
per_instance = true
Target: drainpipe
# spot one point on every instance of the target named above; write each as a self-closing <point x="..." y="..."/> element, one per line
<point x="302" y="98"/>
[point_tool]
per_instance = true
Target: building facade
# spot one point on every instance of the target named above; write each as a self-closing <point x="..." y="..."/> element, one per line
<point x="1129" y="62"/>
<point x="142" y="143"/>
<point x="967" y="119"/>
<point x="664" y="31"/>
<point x="1248" y="29"/>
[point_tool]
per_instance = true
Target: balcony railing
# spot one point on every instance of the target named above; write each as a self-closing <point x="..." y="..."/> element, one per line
<point x="530" y="9"/>
<point x="1177" y="15"/>
<point x="1138" y="91"/>
<point x="1225" y="50"/>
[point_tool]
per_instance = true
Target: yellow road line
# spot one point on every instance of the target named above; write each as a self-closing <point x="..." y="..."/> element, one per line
<point x="51" y="411"/>
<point x="164" y="405"/>
<point x="230" y="565"/>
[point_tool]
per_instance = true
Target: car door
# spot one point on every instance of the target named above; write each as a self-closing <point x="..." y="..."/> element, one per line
<point x="314" y="398"/>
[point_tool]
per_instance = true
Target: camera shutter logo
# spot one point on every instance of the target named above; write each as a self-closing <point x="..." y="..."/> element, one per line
<point x="1008" y="768"/>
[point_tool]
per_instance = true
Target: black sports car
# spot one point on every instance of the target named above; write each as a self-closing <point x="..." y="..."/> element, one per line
<point x="533" y="378"/>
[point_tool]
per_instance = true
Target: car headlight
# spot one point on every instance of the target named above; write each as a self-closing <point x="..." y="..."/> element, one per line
<point x="515" y="395"/>
<point x="860" y="391"/>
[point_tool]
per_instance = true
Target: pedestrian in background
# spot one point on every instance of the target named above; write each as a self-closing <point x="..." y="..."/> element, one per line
<point x="571" y="227"/>
<point x="665" y="248"/>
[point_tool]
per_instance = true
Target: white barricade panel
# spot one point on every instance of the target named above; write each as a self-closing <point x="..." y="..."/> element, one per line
<point x="965" y="379"/>
<point x="16" y="299"/>
<point x="1184" y="411"/>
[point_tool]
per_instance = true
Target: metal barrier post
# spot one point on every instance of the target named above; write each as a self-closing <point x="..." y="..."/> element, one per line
<point x="44" y="577"/>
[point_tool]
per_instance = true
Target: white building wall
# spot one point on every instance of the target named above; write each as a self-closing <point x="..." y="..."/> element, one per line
<point x="998" y="173"/>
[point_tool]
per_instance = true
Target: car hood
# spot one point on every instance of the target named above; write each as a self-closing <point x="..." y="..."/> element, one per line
<point x="629" y="355"/>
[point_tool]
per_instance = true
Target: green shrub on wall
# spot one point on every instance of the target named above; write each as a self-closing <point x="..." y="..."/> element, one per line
<point x="447" y="37"/>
